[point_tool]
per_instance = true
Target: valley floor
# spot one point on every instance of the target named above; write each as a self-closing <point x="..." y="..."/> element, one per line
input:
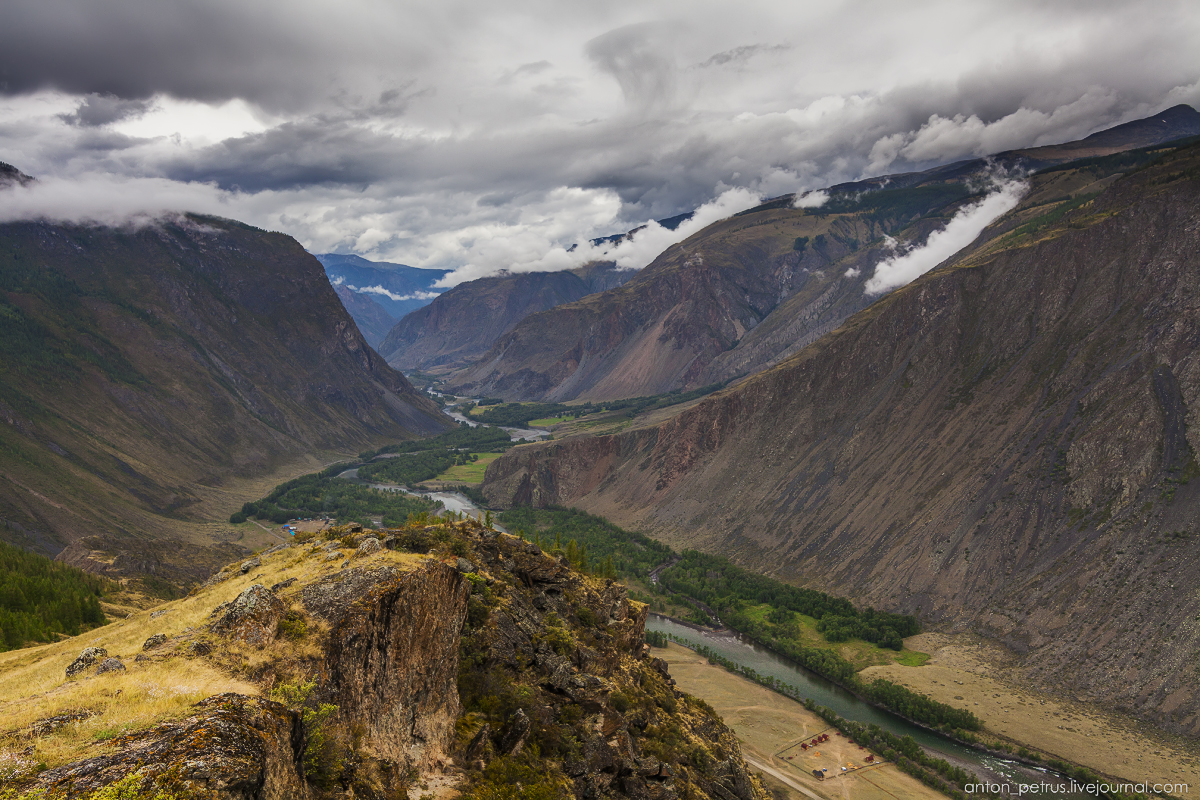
<point x="964" y="671"/>
<point x="769" y="724"/>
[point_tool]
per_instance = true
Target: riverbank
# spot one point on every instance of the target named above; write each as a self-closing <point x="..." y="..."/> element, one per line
<point x="967" y="671"/>
<point x="767" y="723"/>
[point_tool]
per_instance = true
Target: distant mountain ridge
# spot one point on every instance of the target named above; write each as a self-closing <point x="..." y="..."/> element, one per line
<point x="749" y="291"/>
<point x="147" y="373"/>
<point x="459" y="326"/>
<point x="397" y="288"/>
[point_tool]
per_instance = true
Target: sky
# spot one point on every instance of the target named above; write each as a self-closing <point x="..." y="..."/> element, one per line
<point x="479" y="136"/>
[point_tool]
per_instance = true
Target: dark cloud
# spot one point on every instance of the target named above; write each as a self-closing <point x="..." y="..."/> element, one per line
<point x="105" y="109"/>
<point x="461" y="132"/>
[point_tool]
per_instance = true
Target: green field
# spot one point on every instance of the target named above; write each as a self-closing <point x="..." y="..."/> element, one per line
<point x="546" y="422"/>
<point x="469" y="473"/>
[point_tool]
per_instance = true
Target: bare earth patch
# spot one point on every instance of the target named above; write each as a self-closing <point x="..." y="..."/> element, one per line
<point x="981" y="677"/>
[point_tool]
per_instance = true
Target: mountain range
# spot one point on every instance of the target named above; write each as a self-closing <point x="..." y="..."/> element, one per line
<point x="1007" y="445"/>
<point x="749" y="291"/>
<point x="459" y="326"/>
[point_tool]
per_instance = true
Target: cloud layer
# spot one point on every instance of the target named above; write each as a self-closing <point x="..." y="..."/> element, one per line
<point x="479" y="136"/>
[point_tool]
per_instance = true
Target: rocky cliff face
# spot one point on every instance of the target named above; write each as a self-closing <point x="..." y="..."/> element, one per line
<point x="144" y="370"/>
<point x="1006" y="445"/>
<point x="370" y="317"/>
<point x="747" y="292"/>
<point x="482" y="664"/>
<point x="460" y="325"/>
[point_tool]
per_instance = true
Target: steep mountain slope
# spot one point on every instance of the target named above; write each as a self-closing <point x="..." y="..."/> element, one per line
<point x="460" y="325"/>
<point x="372" y="319"/>
<point x="397" y="287"/>
<point x="1006" y="445"/>
<point x="142" y="372"/>
<point x="693" y="316"/>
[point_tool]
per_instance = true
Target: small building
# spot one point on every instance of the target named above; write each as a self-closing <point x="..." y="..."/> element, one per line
<point x="819" y="774"/>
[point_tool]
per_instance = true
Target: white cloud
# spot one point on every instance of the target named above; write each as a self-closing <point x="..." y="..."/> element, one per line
<point x="632" y="252"/>
<point x="962" y="229"/>
<point x="109" y="200"/>
<point x="811" y="199"/>
<point x="386" y="293"/>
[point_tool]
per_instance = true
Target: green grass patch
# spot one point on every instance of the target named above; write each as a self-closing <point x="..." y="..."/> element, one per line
<point x="912" y="658"/>
<point x="546" y="422"/>
<point x="469" y="473"/>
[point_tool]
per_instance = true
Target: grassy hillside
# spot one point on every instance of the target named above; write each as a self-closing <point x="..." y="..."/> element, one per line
<point x="151" y="377"/>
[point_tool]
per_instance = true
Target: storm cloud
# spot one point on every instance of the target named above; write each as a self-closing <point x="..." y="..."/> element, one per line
<point x="477" y="137"/>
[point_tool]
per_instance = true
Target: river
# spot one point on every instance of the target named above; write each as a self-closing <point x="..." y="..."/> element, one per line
<point x="738" y="649"/>
<point x="452" y="501"/>
<point x="519" y="434"/>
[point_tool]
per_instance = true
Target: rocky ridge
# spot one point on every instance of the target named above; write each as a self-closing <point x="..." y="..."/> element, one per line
<point x="447" y="652"/>
<point x="460" y="325"/>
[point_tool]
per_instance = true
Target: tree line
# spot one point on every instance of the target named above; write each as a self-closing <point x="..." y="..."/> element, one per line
<point x="41" y="598"/>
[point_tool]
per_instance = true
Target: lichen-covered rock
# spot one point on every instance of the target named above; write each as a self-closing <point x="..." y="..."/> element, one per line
<point x="233" y="748"/>
<point x="86" y="659"/>
<point x="253" y="617"/>
<point x="369" y="545"/>
<point x="393" y="656"/>
<point x="250" y="564"/>
<point x="154" y="641"/>
<point x="220" y="577"/>
<point x="110" y="665"/>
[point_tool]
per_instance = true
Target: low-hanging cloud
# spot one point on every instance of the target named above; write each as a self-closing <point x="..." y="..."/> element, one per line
<point x="960" y="231"/>
<point x="111" y="201"/>
<point x="388" y="294"/>
<point x="634" y="251"/>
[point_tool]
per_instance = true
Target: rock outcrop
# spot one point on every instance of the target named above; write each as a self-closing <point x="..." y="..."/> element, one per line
<point x="483" y="659"/>
<point x="232" y="748"/>
<point x="252" y="617"/>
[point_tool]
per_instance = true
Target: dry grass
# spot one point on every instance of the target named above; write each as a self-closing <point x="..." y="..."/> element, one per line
<point x="34" y="686"/>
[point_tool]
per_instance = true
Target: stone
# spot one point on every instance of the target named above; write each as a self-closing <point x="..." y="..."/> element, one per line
<point x="278" y="587"/>
<point x="515" y="733"/>
<point x="154" y="641"/>
<point x="370" y="545"/>
<point x="464" y="566"/>
<point x="86" y="659"/>
<point x="110" y="665"/>
<point x="232" y="747"/>
<point x="253" y="617"/>
<point x="157" y="614"/>
<point x="251" y="564"/>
